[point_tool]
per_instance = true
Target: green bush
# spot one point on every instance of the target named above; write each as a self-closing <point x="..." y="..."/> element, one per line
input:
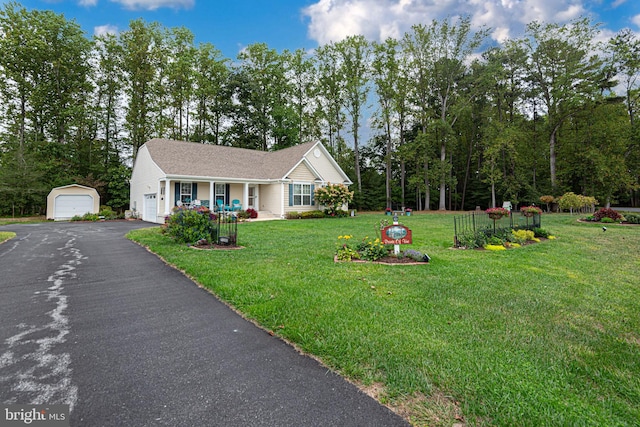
<point x="522" y="236"/>
<point x="189" y="226"/>
<point x="607" y="220"/>
<point x="107" y="213"/>
<point x="632" y="218"/>
<point x="495" y="240"/>
<point x="372" y="250"/>
<point x="293" y="215"/>
<point x="540" y="232"/>
<point x="311" y="214"/>
<point x="472" y="240"/>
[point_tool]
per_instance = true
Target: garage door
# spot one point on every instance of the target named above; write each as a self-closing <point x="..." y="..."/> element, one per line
<point x="150" y="210"/>
<point x="67" y="205"/>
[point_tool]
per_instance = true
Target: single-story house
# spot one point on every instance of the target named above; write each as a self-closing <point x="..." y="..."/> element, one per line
<point x="63" y="203"/>
<point x="167" y="173"/>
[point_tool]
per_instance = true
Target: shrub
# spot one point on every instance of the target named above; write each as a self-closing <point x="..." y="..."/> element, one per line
<point x="607" y="220"/>
<point x="253" y="214"/>
<point x="416" y="255"/>
<point x="472" y="240"/>
<point x="372" y="250"/>
<point x="311" y="214"/>
<point x="607" y="213"/>
<point x="344" y="250"/>
<point x="107" y="213"/>
<point x="540" y="232"/>
<point x="495" y="247"/>
<point x="243" y="214"/>
<point x="337" y="213"/>
<point x="574" y="201"/>
<point x="632" y="218"/>
<point x="522" y="236"/>
<point x="292" y="215"/>
<point x="90" y="217"/>
<point x="188" y="226"/>
<point x="495" y="240"/>
<point x="333" y="196"/>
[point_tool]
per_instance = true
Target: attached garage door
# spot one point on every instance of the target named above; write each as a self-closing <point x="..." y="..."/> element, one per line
<point x="150" y="211"/>
<point x="67" y="206"/>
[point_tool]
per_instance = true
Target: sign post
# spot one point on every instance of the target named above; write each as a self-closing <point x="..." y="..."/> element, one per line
<point x="396" y="235"/>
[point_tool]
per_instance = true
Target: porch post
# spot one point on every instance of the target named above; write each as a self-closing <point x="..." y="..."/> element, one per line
<point x="245" y="196"/>
<point x="158" y="202"/>
<point x="212" y="203"/>
<point x="167" y="196"/>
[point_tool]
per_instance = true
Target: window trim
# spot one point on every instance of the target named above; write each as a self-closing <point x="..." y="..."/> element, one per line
<point x="189" y="194"/>
<point x="302" y="195"/>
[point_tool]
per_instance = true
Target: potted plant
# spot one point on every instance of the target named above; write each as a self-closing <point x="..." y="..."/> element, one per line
<point x="387" y="211"/>
<point x="408" y="211"/>
<point x="530" y="211"/>
<point x="497" y="213"/>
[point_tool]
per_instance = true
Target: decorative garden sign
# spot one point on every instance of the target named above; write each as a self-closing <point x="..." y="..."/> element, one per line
<point x="396" y="234"/>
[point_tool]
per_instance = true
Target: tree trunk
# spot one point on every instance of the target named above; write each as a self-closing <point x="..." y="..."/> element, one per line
<point x="443" y="180"/>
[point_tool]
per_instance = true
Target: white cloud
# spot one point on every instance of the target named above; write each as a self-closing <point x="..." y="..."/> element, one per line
<point x="87" y="3"/>
<point x="636" y="20"/>
<point x="334" y="20"/>
<point x="101" y="30"/>
<point x="155" y="4"/>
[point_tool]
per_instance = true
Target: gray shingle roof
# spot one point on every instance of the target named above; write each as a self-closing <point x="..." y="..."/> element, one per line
<point x="194" y="159"/>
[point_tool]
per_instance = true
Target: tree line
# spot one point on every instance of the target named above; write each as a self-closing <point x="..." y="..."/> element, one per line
<point x="453" y="122"/>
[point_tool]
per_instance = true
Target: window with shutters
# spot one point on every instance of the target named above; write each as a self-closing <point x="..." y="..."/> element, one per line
<point x="301" y="194"/>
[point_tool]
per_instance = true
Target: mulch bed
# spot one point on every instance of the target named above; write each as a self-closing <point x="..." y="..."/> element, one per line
<point x="388" y="260"/>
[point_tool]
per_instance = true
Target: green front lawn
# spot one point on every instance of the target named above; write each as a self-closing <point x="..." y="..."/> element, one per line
<point x="6" y="235"/>
<point x="546" y="334"/>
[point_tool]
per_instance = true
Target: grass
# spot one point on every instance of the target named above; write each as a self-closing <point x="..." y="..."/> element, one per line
<point x="6" y="235"/>
<point x="22" y="220"/>
<point x="546" y="334"/>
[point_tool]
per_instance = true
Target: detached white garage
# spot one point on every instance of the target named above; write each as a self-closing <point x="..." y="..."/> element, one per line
<point x="65" y="202"/>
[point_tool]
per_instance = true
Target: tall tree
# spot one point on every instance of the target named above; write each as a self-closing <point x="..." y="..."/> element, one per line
<point x="180" y="79"/>
<point x="265" y="98"/>
<point x="385" y="69"/>
<point x="301" y="72"/>
<point x="355" y="53"/>
<point x="331" y="91"/>
<point x="212" y="94"/>
<point x="108" y="98"/>
<point x="139" y="63"/>
<point x="565" y="73"/>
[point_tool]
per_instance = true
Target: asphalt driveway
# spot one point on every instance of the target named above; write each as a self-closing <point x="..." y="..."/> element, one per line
<point x="90" y="319"/>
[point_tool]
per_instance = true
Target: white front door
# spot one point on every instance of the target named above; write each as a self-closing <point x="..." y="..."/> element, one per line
<point x="253" y="197"/>
<point x="150" y="210"/>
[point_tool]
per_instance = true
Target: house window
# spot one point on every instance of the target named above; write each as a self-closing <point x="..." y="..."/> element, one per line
<point x="185" y="192"/>
<point x="221" y="190"/>
<point x="301" y="194"/>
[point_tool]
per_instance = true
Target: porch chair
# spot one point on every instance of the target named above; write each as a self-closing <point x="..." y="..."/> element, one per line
<point x="236" y="205"/>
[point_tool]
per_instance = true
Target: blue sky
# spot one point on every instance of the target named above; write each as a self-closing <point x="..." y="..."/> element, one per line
<point x="291" y="24"/>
